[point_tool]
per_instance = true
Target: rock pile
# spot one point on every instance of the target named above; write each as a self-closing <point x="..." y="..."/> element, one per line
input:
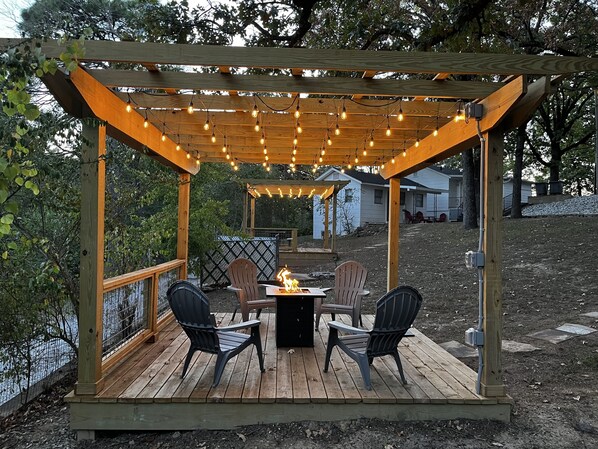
<point x="579" y="205"/>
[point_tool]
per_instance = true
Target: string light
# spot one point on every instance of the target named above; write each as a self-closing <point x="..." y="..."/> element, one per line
<point x="263" y="139"/>
<point x="255" y="111"/>
<point x="388" y="131"/>
<point x="163" y="137"/>
<point x="337" y="130"/>
<point x="404" y="152"/>
<point x="190" y="107"/>
<point x="294" y="151"/>
<point x="145" y="122"/>
<point x="372" y="139"/>
<point x="265" y="150"/>
<point x="188" y="155"/>
<point x="392" y="161"/>
<point x="320" y="159"/>
<point x="295" y="140"/>
<point x="435" y="133"/>
<point x="128" y="107"/>
<point x="197" y="162"/>
<point x="323" y="152"/>
<point x="178" y="147"/>
<point x="214" y="134"/>
<point x="344" y="112"/>
<point x="401" y="117"/>
<point x="206" y="125"/>
<point x="299" y="129"/>
<point x="460" y="113"/>
<point x="328" y="139"/>
<point x="297" y="111"/>
<point x="257" y="125"/>
<point x="365" y="152"/>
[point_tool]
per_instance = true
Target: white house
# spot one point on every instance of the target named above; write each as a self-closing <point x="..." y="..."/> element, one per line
<point x="507" y="191"/>
<point x="365" y="200"/>
<point x="450" y="182"/>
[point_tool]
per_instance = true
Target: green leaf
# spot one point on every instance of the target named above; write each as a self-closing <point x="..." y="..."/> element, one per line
<point x="9" y="110"/>
<point x="12" y="245"/>
<point x="31" y="112"/>
<point x="3" y="164"/>
<point x="12" y="207"/>
<point x="19" y="181"/>
<point x="5" y="255"/>
<point x="7" y="219"/>
<point x="28" y="184"/>
<point x="35" y="189"/>
<point x="4" y="229"/>
<point x="3" y="195"/>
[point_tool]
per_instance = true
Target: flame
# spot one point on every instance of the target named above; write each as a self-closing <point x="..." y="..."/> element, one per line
<point x="290" y="285"/>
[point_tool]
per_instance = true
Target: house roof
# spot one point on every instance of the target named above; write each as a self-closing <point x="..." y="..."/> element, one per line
<point x="377" y="180"/>
<point x="447" y="171"/>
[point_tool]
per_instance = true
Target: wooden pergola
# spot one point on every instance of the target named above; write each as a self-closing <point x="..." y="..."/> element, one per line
<point x="326" y="190"/>
<point x="302" y="115"/>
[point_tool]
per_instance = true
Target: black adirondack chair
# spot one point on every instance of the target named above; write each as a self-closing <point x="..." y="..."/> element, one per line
<point x="191" y="309"/>
<point x="395" y="313"/>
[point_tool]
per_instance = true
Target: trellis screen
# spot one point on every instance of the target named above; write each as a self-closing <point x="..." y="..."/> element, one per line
<point x="263" y="251"/>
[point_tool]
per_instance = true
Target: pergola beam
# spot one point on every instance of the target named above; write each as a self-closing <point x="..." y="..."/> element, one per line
<point x="128" y="127"/>
<point x="302" y="85"/>
<point x="459" y="135"/>
<point x="320" y="59"/>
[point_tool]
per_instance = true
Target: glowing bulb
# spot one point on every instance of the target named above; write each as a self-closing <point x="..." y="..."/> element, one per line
<point x="293" y="169"/>
<point x="313" y="170"/>
<point x="371" y="142"/>
<point x="213" y="138"/>
<point x="267" y="157"/>
<point x="206" y="125"/>
<point x="268" y="168"/>
<point x="417" y="143"/>
<point x="392" y="161"/>
<point x="388" y="131"/>
<point x="163" y="137"/>
<point x="190" y="108"/>
<point x="365" y="152"/>
<point x="227" y="156"/>
<point x="297" y="112"/>
<point x="264" y="164"/>
<point x="255" y="111"/>
<point x="236" y="168"/>
<point x="257" y="126"/>
<point x="342" y="170"/>
<point x="178" y="147"/>
<point x="265" y="150"/>
<point x="382" y="166"/>
<point x="329" y="141"/>
<point x="145" y="123"/>
<point x="349" y="166"/>
<point x="224" y="148"/>
<point x="295" y="140"/>
<point x="337" y="130"/>
<point x="263" y="139"/>
<point x="323" y="152"/>
<point x="294" y="151"/>
<point x="293" y="158"/>
<point x="400" y="117"/>
<point x="320" y="159"/>
<point x="404" y="152"/>
<point x="188" y="155"/>
<point x="128" y="107"/>
<point x="344" y="113"/>
<point x="299" y="129"/>
<point x="356" y="160"/>
<point x="435" y="133"/>
<point x="232" y="163"/>
<point x="196" y="161"/>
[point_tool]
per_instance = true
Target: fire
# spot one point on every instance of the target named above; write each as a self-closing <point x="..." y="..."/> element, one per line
<point x="290" y="285"/>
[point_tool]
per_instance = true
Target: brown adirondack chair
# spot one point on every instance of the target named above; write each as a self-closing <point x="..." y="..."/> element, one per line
<point x="191" y="309"/>
<point x="349" y="280"/>
<point x="395" y="313"/>
<point x="242" y="274"/>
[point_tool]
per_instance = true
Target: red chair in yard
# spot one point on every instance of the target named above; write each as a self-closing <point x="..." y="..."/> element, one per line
<point x="408" y="217"/>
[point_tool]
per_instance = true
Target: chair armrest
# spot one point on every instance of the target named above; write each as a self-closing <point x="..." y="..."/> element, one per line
<point x="346" y="328"/>
<point x="268" y="285"/>
<point x="364" y="292"/>
<point x="325" y="289"/>
<point x="409" y="333"/>
<point x="239" y="326"/>
<point x="233" y="289"/>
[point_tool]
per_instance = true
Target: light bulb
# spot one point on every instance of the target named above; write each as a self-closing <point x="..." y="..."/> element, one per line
<point x="297" y="112"/>
<point x="349" y="166"/>
<point x="293" y="158"/>
<point x="206" y="125"/>
<point x="356" y="160"/>
<point x="293" y="169"/>
<point x="400" y="117"/>
<point x="344" y="113"/>
<point x="265" y="150"/>
<point x="295" y="140"/>
<point x="294" y="151"/>
<point x="404" y="152"/>
<point x="268" y="168"/>
<point x="257" y="126"/>
<point x="262" y="140"/>
<point x="337" y="130"/>
<point x="435" y="133"/>
<point x="264" y="164"/>
<point x="145" y="123"/>
<point x="213" y="138"/>
<point x="224" y="148"/>
<point x="320" y="159"/>
<point x="178" y="147"/>
<point x="382" y="166"/>
<point x="365" y="152"/>
<point x="371" y="142"/>
<point x="196" y="161"/>
<point x="388" y="131"/>
<point x="329" y="141"/>
<point x="163" y="137"/>
<point x="236" y="168"/>
<point x="255" y="111"/>
<point x="313" y="170"/>
<point x="417" y="143"/>
<point x="188" y="155"/>
<point x="342" y="170"/>
<point x="323" y="152"/>
<point x="190" y="108"/>
<point x="299" y="129"/>
<point x="232" y="163"/>
<point x="392" y="161"/>
<point x="128" y="107"/>
<point x="267" y="157"/>
<point x="227" y="156"/>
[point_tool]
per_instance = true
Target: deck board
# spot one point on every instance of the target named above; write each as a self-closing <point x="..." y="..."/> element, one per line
<point x="292" y="387"/>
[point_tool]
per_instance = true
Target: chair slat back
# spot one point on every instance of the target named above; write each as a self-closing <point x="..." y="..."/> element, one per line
<point x="242" y="274"/>
<point x="395" y="313"/>
<point x="349" y="281"/>
<point x="191" y="309"/>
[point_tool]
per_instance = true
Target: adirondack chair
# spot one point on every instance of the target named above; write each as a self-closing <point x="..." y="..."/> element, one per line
<point x="191" y="309"/>
<point x="242" y="274"/>
<point x="349" y="279"/>
<point x="395" y="313"/>
<point x="408" y="217"/>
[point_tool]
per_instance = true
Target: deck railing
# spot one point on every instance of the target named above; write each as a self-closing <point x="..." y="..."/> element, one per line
<point x="135" y="308"/>
<point x="286" y="236"/>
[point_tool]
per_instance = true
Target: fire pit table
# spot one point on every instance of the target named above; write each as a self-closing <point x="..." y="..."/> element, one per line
<point x="295" y="315"/>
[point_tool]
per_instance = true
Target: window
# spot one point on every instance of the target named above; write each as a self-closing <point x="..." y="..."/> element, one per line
<point x="419" y="200"/>
<point x="378" y="196"/>
<point x="348" y="195"/>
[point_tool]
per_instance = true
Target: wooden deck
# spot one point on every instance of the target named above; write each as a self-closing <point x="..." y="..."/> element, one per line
<point x="145" y="391"/>
<point x="305" y="257"/>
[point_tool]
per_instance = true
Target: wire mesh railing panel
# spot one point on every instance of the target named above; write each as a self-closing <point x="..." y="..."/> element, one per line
<point x="263" y="251"/>
<point x="125" y="314"/>
<point x="164" y="281"/>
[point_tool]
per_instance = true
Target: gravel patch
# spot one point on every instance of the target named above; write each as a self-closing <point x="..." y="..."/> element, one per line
<point x="579" y="205"/>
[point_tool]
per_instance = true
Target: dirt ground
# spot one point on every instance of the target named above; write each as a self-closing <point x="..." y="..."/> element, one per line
<point x="550" y="273"/>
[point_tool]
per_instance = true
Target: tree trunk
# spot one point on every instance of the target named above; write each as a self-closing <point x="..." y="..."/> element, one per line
<point x="555" y="161"/>
<point x="517" y="170"/>
<point x="469" y="191"/>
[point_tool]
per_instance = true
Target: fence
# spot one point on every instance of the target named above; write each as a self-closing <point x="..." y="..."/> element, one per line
<point x="287" y="237"/>
<point x="263" y="251"/>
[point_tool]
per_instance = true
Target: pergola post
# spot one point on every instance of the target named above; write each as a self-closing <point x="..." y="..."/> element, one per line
<point x="252" y="216"/>
<point x="492" y="375"/>
<point x="93" y="185"/>
<point x="326" y="223"/>
<point x="334" y="222"/>
<point x="182" y="247"/>
<point x="394" y="214"/>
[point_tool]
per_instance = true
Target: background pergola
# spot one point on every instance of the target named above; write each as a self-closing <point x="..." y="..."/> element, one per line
<point x="374" y="90"/>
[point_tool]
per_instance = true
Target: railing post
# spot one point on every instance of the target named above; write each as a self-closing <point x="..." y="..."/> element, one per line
<point x="182" y="247"/>
<point x="152" y="324"/>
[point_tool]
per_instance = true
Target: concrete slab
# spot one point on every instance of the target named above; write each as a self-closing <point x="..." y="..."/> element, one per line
<point x="552" y="335"/>
<point x="591" y="314"/>
<point x="576" y="329"/>
<point x="515" y="346"/>
<point x="459" y="350"/>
